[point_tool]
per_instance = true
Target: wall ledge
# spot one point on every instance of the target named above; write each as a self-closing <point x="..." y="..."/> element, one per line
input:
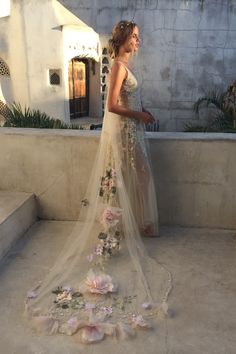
<point x="194" y="173"/>
<point x="97" y="133"/>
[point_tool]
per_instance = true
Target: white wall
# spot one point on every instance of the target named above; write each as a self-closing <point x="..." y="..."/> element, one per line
<point x="30" y="46"/>
<point x="44" y="50"/>
<point x="5" y="8"/>
<point x="14" y="55"/>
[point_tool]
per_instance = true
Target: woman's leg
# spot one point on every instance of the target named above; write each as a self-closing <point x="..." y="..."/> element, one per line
<point x="147" y="219"/>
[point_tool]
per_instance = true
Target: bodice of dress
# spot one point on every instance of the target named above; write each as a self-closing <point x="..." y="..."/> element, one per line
<point x="134" y="130"/>
<point x="130" y="92"/>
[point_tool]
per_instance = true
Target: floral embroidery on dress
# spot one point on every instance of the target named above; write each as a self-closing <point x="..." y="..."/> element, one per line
<point x="99" y="283"/>
<point x="84" y="202"/>
<point x="132" y="141"/>
<point x="108" y="185"/>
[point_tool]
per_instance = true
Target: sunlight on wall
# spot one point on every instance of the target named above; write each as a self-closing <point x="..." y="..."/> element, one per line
<point x="1" y="94"/>
<point x="81" y="42"/>
<point x="5" y="7"/>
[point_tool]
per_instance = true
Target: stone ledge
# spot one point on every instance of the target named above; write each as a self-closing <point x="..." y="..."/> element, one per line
<point x="96" y="134"/>
<point x="194" y="173"/>
<point x="49" y="132"/>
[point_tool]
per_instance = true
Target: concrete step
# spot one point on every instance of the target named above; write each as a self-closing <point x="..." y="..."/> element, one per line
<point x="18" y="211"/>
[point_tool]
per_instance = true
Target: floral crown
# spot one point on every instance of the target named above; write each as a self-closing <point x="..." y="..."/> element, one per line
<point x="126" y="24"/>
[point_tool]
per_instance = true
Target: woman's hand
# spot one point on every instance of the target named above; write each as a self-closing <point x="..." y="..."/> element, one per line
<point x="147" y="117"/>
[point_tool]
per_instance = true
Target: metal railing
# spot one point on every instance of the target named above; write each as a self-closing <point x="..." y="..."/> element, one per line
<point x="152" y="127"/>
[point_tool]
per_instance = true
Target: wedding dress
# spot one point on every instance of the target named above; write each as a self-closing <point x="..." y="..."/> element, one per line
<point x="104" y="283"/>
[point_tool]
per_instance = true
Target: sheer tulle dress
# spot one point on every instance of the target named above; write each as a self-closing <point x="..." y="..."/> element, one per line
<point x="104" y="283"/>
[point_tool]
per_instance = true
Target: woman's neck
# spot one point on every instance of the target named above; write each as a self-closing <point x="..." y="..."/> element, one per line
<point x="123" y="57"/>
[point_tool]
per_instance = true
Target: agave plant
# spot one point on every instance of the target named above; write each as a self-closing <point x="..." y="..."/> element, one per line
<point x="224" y="117"/>
<point x="214" y="97"/>
<point x="31" y="118"/>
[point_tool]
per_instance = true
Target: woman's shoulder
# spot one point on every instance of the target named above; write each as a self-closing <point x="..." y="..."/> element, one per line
<point x="119" y="68"/>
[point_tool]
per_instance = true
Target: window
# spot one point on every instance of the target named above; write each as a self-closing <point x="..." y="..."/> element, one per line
<point x="55" y="77"/>
<point x="4" y="110"/>
<point x="4" y="69"/>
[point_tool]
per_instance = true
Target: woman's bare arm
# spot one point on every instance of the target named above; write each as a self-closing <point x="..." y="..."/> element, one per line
<point x="118" y="75"/>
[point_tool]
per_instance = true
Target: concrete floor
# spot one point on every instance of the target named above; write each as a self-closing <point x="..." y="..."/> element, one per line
<point x="202" y="262"/>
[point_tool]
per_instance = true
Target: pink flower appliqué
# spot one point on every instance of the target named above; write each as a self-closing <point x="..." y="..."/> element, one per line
<point x="94" y="329"/>
<point x="110" y="217"/>
<point x="139" y="322"/>
<point x="92" y="333"/>
<point x="98" y="250"/>
<point x="113" y="173"/>
<point x="99" y="283"/>
<point x="90" y="257"/>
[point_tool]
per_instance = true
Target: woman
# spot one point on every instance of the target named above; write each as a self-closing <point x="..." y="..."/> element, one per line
<point x="124" y="100"/>
<point x="104" y="283"/>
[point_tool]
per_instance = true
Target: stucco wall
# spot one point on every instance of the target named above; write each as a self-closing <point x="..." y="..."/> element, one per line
<point x="30" y="48"/>
<point x="14" y="55"/>
<point x="31" y="43"/>
<point x="194" y="173"/>
<point x="44" y="50"/>
<point x="186" y="49"/>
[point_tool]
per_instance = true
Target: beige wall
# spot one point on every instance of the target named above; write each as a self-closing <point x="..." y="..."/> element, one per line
<point x="194" y="173"/>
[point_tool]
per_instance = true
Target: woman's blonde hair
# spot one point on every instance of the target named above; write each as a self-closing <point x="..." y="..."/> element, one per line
<point x="120" y="33"/>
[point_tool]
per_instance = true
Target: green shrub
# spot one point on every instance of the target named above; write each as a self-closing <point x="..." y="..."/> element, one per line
<point x="32" y="118"/>
<point x="224" y="118"/>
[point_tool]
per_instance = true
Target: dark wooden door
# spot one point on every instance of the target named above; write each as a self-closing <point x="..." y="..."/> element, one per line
<point x="79" y="88"/>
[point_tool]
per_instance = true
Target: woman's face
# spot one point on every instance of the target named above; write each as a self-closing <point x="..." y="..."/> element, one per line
<point x="133" y="42"/>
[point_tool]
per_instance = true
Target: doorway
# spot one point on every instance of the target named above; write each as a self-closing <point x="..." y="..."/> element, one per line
<point x="79" y="88"/>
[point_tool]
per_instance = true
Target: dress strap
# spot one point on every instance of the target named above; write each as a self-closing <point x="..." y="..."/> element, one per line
<point x="128" y="70"/>
<point x="119" y="61"/>
<point x="125" y="67"/>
